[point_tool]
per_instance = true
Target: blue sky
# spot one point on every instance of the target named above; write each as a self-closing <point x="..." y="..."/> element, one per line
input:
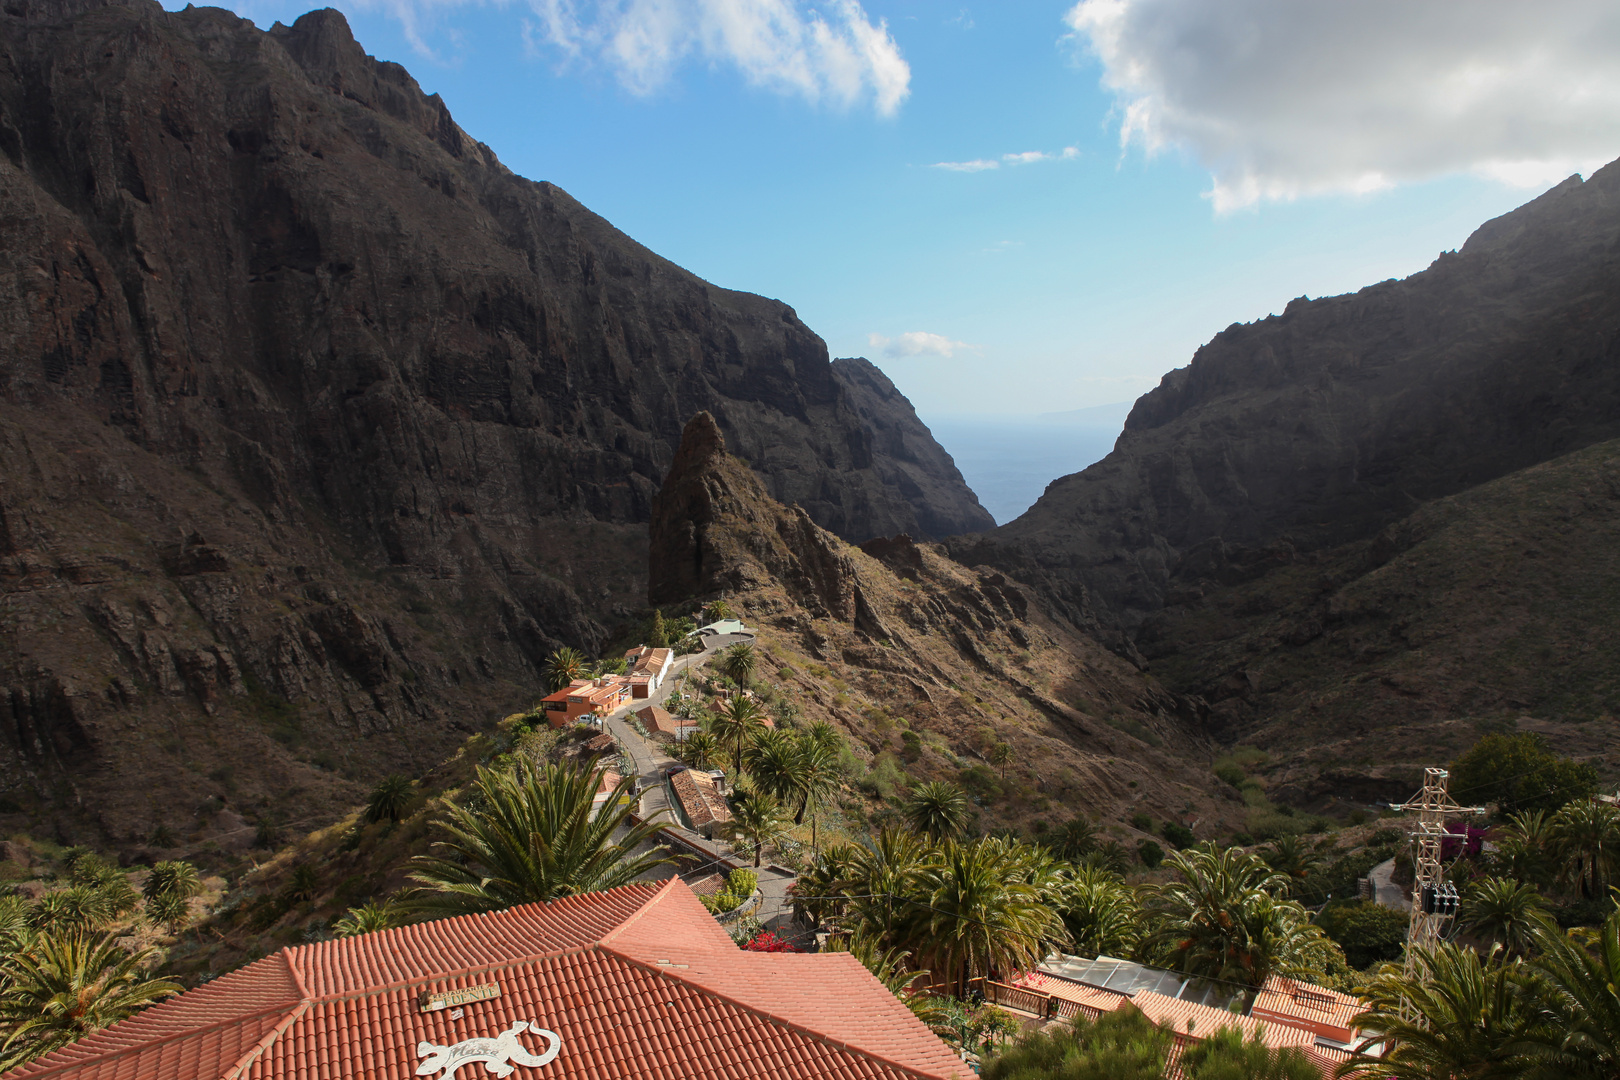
<point x="740" y="148"/>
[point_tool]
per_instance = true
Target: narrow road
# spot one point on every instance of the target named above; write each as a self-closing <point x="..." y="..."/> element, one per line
<point x="651" y="760"/>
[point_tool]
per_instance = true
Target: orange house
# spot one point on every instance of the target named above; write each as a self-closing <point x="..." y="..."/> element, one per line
<point x="585" y="698"/>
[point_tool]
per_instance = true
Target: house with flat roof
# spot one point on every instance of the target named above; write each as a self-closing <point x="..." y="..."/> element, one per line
<point x="585" y="699"/>
<point x="636" y="983"/>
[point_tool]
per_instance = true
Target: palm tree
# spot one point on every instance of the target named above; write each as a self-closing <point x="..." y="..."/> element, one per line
<point x="1586" y="843"/>
<point x="1222" y="920"/>
<point x="817" y="776"/>
<point x="367" y="918"/>
<point x="1110" y="855"/>
<point x="16" y="932"/>
<point x="532" y="834"/>
<point x="1292" y="856"/>
<point x="758" y="819"/>
<point x="982" y="917"/>
<point x="66" y="987"/>
<point x="819" y="893"/>
<point x="1524" y="850"/>
<point x="1503" y="911"/>
<point x="883" y="878"/>
<point x="563" y="667"/>
<point x="737" y="723"/>
<point x="1073" y="840"/>
<point x="825" y="734"/>
<point x="1577" y="1005"/>
<point x="1456" y="1016"/>
<point x="938" y="809"/>
<point x="773" y="763"/>
<point x="737" y="663"/>
<point x="74" y="910"/>
<point x="699" y="750"/>
<point x="1002" y="754"/>
<point x="716" y="610"/>
<point x="170" y="910"/>
<point x="389" y="799"/>
<point x="1100" y="911"/>
<point x="173" y="878"/>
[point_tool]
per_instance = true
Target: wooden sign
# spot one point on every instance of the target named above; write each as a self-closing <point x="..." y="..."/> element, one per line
<point x="434" y="1000"/>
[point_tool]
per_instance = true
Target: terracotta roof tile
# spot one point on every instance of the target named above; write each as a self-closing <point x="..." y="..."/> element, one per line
<point x="638" y="982"/>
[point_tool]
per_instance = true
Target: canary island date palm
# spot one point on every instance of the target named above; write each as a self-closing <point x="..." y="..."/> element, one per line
<point x="64" y="988"/>
<point x="389" y="800"/>
<point x="1501" y="910"/>
<point x="737" y="724"/>
<point x="737" y="663"/>
<point x="1573" y="985"/>
<point x="699" y="750"/>
<point x="532" y="834"/>
<point x="883" y="878"/>
<point x="1455" y="1016"/>
<point x="563" y="667"/>
<point x="938" y="809"/>
<point x="1101" y="912"/>
<point x="758" y="819"/>
<point x="1524" y="849"/>
<point x="367" y="918"/>
<point x="982" y="918"/>
<point x="1223" y="918"/>
<point x="1586" y="844"/>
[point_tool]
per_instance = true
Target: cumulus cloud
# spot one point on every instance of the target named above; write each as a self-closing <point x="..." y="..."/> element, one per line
<point x="1283" y="98"/>
<point x="1027" y="157"/>
<point x="916" y="343"/>
<point x="832" y="53"/>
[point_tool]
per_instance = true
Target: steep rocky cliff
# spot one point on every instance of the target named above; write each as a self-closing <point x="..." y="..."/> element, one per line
<point x="319" y="427"/>
<point x="1325" y="424"/>
<point x="926" y="663"/>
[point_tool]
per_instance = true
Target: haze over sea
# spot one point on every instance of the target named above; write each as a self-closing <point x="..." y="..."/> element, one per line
<point x="1008" y="460"/>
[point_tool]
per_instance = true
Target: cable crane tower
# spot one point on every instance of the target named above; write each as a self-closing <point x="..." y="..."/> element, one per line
<point x="1434" y="901"/>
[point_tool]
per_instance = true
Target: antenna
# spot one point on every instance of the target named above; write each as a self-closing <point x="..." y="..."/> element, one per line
<point x="1434" y="902"/>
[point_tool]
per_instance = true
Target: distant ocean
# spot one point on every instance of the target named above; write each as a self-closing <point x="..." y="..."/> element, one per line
<point x="1008" y="461"/>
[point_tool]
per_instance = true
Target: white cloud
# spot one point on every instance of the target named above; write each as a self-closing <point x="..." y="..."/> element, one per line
<point x="916" y="343"/>
<point x="833" y="53"/>
<point x="1028" y="157"/>
<point x="1283" y="98"/>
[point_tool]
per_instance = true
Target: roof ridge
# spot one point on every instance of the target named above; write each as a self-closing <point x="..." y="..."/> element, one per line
<point x="238" y="1070"/>
<point x="658" y="894"/>
<point x="801" y="1029"/>
<point x="295" y="1007"/>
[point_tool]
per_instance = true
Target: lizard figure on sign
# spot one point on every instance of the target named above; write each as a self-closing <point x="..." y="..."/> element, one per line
<point x="500" y="1055"/>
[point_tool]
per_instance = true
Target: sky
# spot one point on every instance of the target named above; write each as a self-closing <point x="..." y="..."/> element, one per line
<point x="1025" y="207"/>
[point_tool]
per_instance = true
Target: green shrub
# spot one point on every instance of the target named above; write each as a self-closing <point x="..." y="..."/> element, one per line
<point x="1368" y="933"/>
<point x="1231" y="773"/>
<point x="1150" y="853"/>
<point x="1178" y="834"/>
<point x="1142" y="821"/>
<point x="742" y="883"/>
<point x="1120" y="1045"/>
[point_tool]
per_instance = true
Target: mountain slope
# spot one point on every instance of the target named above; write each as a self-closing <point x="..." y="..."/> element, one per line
<point x="927" y="663"/>
<point x="320" y="428"/>
<point x="1357" y="665"/>
<point x="1325" y="424"/>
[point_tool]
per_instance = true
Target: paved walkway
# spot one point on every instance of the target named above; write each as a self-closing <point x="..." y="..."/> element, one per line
<point x="1385" y="891"/>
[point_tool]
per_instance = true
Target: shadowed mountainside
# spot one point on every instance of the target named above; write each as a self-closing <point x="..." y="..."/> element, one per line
<point x="1325" y="424"/>
<point x="319" y="428"/>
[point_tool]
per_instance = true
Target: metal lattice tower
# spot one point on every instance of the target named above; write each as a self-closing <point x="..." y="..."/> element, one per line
<point x="1434" y="902"/>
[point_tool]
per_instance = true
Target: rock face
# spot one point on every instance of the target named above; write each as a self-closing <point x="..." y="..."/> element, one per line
<point x="1325" y="424"/>
<point x="925" y="663"/>
<point x="320" y="428"/>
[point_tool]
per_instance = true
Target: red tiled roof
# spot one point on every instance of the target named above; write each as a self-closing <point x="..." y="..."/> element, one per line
<point x="639" y="982"/>
<point x="1326" y="1012"/>
<point x="699" y="801"/>
<point x="1175" y="1014"/>
<point x="661" y="721"/>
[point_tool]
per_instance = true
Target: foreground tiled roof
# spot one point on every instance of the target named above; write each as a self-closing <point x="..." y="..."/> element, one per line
<point x="638" y="982"/>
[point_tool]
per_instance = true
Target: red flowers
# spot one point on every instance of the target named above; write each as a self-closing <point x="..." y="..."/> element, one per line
<point x="765" y="941"/>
